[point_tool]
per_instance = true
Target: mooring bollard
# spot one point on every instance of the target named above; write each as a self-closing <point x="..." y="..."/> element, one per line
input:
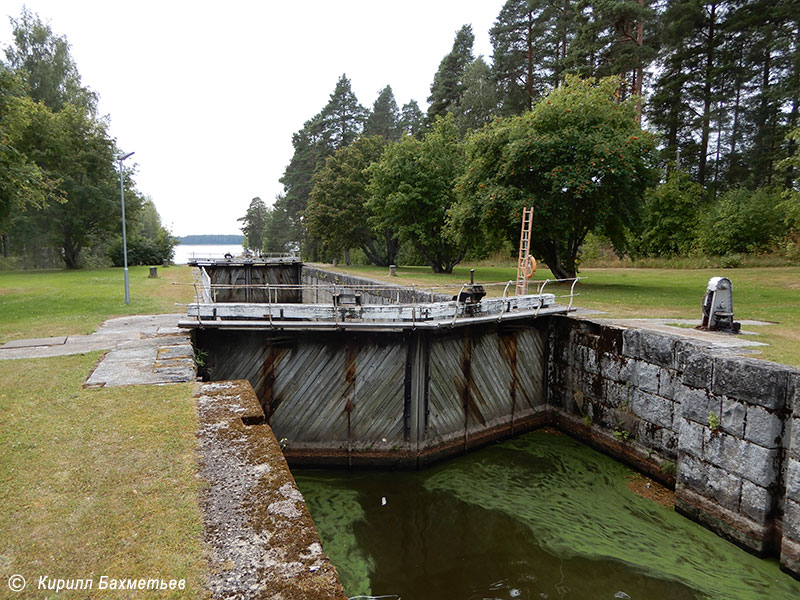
<point x="153" y="272"/>
<point x="393" y="270"/>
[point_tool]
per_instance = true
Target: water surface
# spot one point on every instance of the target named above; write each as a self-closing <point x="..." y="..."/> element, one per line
<point x="186" y="252"/>
<point x="539" y="516"/>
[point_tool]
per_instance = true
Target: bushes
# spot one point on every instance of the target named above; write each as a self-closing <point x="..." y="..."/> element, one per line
<point x="679" y="222"/>
<point x="743" y="221"/>
<point x="143" y="250"/>
<point x="672" y="217"/>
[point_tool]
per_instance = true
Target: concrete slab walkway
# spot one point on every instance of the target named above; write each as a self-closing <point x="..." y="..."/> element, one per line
<point x="685" y="327"/>
<point x="143" y="349"/>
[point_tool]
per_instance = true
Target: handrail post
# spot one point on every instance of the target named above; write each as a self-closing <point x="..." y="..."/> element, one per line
<point x="455" y="315"/>
<point x="197" y="300"/>
<point x="269" y="304"/>
<point x="572" y="293"/>
<point x="541" y="293"/>
<point x="414" y="306"/>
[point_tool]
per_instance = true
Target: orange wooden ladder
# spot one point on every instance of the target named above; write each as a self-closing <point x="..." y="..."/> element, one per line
<point x="523" y="269"/>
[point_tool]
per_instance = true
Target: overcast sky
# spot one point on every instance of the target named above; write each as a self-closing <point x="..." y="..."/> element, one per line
<point x="208" y="94"/>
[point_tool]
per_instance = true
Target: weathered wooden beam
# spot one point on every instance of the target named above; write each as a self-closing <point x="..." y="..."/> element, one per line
<point x="502" y="307"/>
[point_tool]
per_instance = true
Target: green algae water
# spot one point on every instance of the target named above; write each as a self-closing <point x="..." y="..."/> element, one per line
<point x="540" y="516"/>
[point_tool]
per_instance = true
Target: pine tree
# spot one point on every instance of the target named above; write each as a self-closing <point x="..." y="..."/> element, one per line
<point x="531" y="41"/>
<point x="337" y="125"/>
<point x="384" y="120"/>
<point x="254" y="222"/>
<point x="613" y="37"/>
<point x="773" y="33"/>
<point x="480" y="102"/>
<point x="516" y="57"/>
<point x="686" y="99"/>
<point x="448" y="82"/>
<point x="728" y="88"/>
<point x="310" y="150"/>
<point x="337" y="212"/>
<point x="412" y="119"/>
<point x="343" y="117"/>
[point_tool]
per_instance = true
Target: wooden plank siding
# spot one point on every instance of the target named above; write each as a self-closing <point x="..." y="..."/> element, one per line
<point x="391" y="397"/>
<point x="254" y="275"/>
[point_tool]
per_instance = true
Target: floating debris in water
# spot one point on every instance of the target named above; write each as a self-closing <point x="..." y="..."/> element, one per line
<point x="383" y="500"/>
<point x="622" y="596"/>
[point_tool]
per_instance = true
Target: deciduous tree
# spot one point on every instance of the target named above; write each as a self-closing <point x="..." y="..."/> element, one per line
<point x="45" y="60"/>
<point x="338" y="213"/>
<point x="580" y="159"/>
<point x="413" y="186"/>
<point x="22" y="183"/>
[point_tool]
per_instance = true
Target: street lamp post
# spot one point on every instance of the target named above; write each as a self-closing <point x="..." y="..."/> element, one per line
<point x="124" y="237"/>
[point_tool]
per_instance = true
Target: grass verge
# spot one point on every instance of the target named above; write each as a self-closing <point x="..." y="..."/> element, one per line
<point x="762" y="294"/>
<point x="96" y="481"/>
<point x="50" y="303"/>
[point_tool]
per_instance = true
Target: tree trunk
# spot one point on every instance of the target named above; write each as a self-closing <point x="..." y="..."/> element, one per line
<point x="459" y="257"/>
<point x="347" y="257"/>
<point x="560" y="271"/>
<point x="552" y="257"/>
<point x="707" y="97"/>
<point x="792" y="148"/>
<point x="392" y="248"/>
<point x="385" y="256"/>
<point x="71" y="256"/>
<point x="639" y="71"/>
<point x="529" y="74"/>
<point x="761" y="154"/>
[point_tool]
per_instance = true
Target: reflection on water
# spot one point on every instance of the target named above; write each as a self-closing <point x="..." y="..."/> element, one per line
<point x="540" y="516"/>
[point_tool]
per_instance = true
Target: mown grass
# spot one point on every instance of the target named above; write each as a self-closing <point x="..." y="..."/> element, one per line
<point x="96" y="481"/>
<point x="51" y="303"/>
<point x="763" y="294"/>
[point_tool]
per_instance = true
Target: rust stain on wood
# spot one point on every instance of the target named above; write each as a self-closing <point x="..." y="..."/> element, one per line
<point x="269" y="400"/>
<point x="471" y="408"/>
<point x="509" y="345"/>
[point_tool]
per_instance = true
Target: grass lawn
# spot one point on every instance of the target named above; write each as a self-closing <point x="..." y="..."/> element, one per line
<point x="50" y="303"/>
<point x="762" y="294"/>
<point x="94" y="481"/>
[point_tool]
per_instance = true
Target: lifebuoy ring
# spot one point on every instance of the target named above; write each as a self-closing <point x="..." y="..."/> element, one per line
<point x="529" y="267"/>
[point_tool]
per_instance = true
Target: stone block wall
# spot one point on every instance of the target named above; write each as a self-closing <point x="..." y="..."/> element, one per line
<point x="725" y="429"/>
<point x="790" y="543"/>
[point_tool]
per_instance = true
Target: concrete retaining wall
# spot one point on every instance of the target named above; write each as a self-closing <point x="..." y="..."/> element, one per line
<point x="390" y="294"/>
<point x="260" y="538"/>
<point x="724" y="428"/>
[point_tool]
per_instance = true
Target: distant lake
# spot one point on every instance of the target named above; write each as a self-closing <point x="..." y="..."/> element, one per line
<point x="185" y="252"/>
